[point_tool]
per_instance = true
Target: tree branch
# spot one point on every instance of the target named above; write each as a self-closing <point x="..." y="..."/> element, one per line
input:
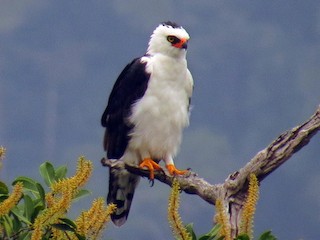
<point x="190" y="183"/>
<point x="233" y="190"/>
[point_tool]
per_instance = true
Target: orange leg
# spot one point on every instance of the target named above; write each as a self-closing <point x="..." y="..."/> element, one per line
<point x="174" y="171"/>
<point x="151" y="165"/>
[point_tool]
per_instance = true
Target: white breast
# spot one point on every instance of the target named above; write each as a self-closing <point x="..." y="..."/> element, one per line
<point x="161" y="114"/>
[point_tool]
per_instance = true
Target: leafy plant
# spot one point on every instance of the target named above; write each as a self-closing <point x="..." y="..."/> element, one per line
<point x="31" y="212"/>
<point x="222" y="230"/>
<point x="213" y="234"/>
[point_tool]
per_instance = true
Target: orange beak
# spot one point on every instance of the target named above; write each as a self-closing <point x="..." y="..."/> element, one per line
<point x="182" y="44"/>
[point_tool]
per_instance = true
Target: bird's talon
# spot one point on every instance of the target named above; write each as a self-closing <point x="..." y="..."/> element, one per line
<point x="151" y="182"/>
<point x="174" y="171"/>
<point x="151" y="165"/>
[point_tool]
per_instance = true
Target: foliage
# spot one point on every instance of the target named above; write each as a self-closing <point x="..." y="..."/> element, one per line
<point x="222" y="230"/>
<point x="213" y="234"/>
<point x="30" y="212"/>
<point x="264" y="236"/>
<point x="249" y="208"/>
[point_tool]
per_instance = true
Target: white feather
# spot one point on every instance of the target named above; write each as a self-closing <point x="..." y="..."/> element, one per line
<point x="158" y="118"/>
<point x="161" y="114"/>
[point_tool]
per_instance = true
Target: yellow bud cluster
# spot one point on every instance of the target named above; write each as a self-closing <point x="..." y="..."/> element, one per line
<point x="2" y="154"/>
<point x="221" y="218"/>
<point x="249" y="207"/>
<point x="12" y="200"/>
<point x="91" y="223"/>
<point x="59" y="200"/>
<point x="177" y="226"/>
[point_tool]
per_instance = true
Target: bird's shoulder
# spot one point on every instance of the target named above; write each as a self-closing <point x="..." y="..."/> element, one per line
<point x="133" y="74"/>
<point x="130" y="85"/>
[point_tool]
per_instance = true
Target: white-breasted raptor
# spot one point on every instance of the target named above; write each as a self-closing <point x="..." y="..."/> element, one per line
<point x="147" y="110"/>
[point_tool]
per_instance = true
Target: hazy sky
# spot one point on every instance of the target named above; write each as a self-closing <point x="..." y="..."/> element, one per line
<point x="256" y="70"/>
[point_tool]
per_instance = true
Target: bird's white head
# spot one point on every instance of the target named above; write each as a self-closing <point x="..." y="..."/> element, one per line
<point x="169" y="39"/>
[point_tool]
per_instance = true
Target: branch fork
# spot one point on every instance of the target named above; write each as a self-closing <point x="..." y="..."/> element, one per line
<point x="234" y="190"/>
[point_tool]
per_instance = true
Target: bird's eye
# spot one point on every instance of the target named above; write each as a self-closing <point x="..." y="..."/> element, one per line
<point x="172" y="39"/>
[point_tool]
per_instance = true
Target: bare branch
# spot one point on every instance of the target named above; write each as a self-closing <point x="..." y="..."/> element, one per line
<point x="265" y="162"/>
<point x="278" y="152"/>
<point x="190" y="183"/>
<point x="234" y="190"/>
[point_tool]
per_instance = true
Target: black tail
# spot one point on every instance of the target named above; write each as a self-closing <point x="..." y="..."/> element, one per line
<point x="121" y="190"/>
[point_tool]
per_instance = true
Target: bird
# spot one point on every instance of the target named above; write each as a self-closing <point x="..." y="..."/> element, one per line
<point x="147" y="110"/>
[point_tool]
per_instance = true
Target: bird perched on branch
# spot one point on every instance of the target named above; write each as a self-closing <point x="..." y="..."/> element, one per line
<point x="147" y="110"/>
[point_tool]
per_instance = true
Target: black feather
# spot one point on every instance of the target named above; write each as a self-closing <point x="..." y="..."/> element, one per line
<point x="129" y="87"/>
<point x="121" y="191"/>
<point x="171" y="24"/>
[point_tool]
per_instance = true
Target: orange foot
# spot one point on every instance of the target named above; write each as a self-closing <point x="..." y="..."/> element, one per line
<point x="151" y="165"/>
<point x="173" y="171"/>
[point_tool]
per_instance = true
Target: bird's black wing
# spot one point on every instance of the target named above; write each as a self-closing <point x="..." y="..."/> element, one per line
<point x="129" y="87"/>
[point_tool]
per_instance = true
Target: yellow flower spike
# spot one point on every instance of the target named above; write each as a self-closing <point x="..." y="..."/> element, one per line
<point x="59" y="200"/>
<point x="91" y="223"/>
<point x="222" y="219"/>
<point x="84" y="171"/>
<point x="57" y="234"/>
<point x="111" y="208"/>
<point x="12" y="200"/>
<point x="49" y="199"/>
<point x="81" y="224"/>
<point x="96" y="213"/>
<point x="36" y="234"/>
<point x="2" y="154"/>
<point x="91" y="217"/>
<point x="174" y="218"/>
<point x="103" y="219"/>
<point x="249" y="207"/>
<point x="81" y="177"/>
<point x="58" y="208"/>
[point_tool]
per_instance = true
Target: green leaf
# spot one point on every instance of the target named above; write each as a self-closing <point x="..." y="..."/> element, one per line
<point x="7" y="224"/>
<point x="25" y="236"/>
<point x="215" y="230"/>
<point x="243" y="237"/>
<point x="28" y="207"/>
<point x="63" y="227"/>
<point x="48" y="173"/>
<point x="42" y="193"/>
<point x="37" y="210"/>
<point x="205" y="237"/>
<point x="28" y="184"/>
<point x="16" y="211"/>
<point x="3" y="197"/>
<point x="80" y="237"/>
<point x="81" y="193"/>
<point x="267" y="236"/>
<point x="69" y="222"/>
<point x="3" y="188"/>
<point x="189" y="228"/>
<point x="61" y="172"/>
<point x="211" y="234"/>
<point x="17" y="224"/>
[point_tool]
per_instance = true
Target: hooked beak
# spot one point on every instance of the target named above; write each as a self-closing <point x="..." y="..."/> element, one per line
<point x="183" y="44"/>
